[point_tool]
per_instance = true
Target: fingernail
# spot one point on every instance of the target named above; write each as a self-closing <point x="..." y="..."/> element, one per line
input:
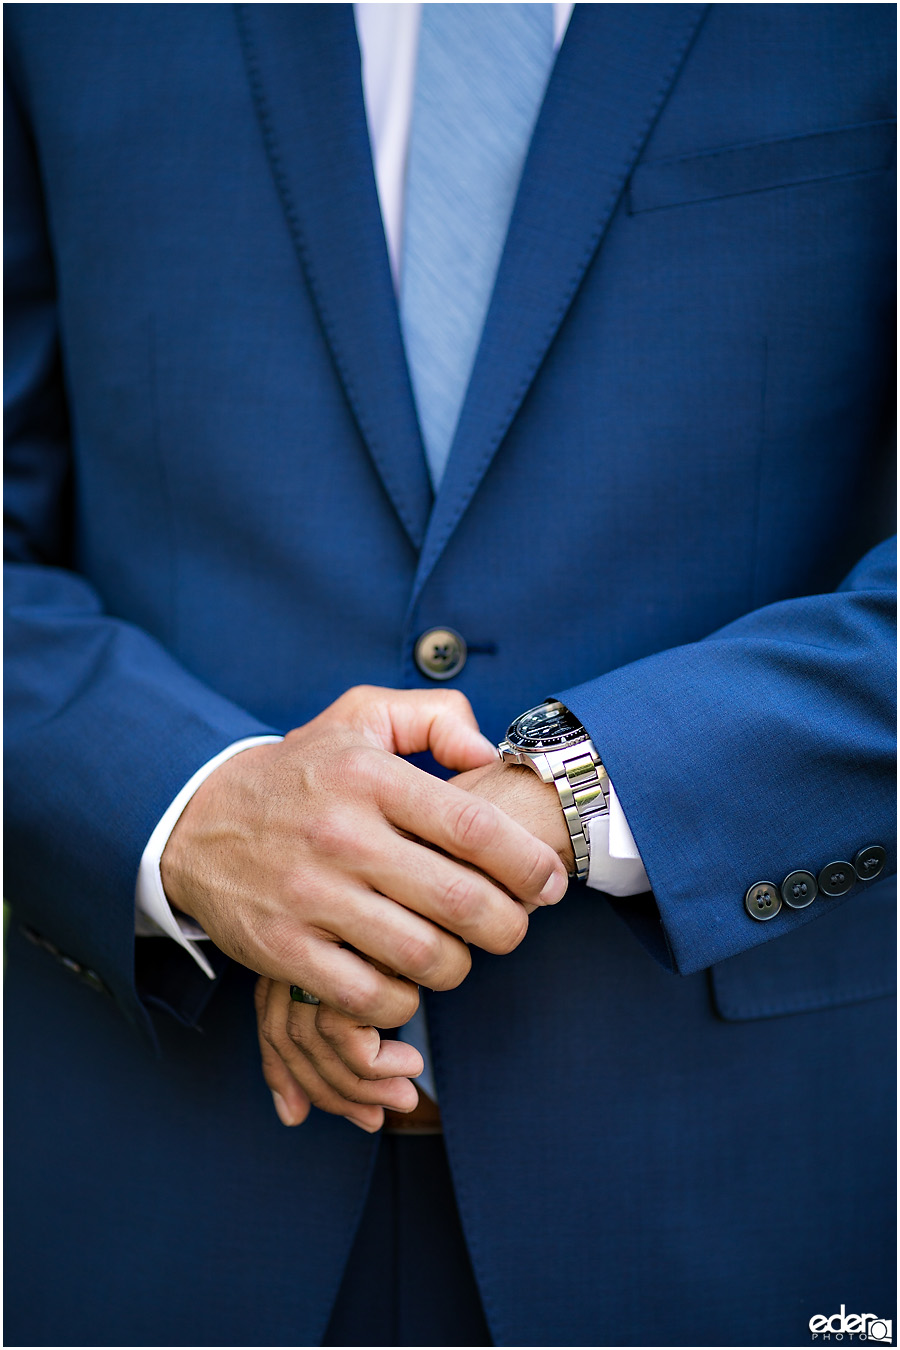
<point x="285" y="1115"/>
<point x="555" y="889"/>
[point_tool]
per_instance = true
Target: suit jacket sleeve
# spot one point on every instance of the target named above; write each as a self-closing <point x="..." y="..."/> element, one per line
<point x="766" y="748"/>
<point x="103" y="727"/>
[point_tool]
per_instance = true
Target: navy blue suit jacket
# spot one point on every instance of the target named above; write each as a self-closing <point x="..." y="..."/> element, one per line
<point x="665" y="503"/>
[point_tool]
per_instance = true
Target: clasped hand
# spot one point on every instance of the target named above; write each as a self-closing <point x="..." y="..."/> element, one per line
<point x="328" y="861"/>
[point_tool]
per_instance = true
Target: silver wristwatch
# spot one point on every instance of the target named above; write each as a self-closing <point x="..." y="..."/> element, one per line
<point x="551" y="741"/>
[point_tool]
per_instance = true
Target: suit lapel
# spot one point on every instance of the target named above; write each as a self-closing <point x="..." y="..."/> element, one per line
<point x="613" y="73"/>
<point x="304" y="67"/>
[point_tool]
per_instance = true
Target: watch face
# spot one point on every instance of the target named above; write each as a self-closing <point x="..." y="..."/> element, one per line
<point x="545" y="728"/>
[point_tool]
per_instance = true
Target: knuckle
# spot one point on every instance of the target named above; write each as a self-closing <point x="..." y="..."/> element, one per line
<point x="473" y="825"/>
<point x="357" y="1063"/>
<point x="538" y="864"/>
<point x="456" y="699"/>
<point x="507" y="935"/>
<point x="337" y="1031"/>
<point x="356" y="1056"/>
<point x="403" y="1005"/>
<point x="351" y="700"/>
<point x="419" y="953"/>
<point x="329" y="1024"/>
<point x="455" y="970"/>
<point x="344" y="1047"/>
<point x="355" y="1095"/>
<point x="270" y="1032"/>
<point x="334" y="833"/>
<point x="362" y="694"/>
<point x="461" y="900"/>
<point x="296" y="1032"/>
<point x="361" y="769"/>
<point x="356" y="997"/>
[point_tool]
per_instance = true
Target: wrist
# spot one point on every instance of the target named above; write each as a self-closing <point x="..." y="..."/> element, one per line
<point x="551" y="743"/>
<point x="522" y="795"/>
<point x="200" y="825"/>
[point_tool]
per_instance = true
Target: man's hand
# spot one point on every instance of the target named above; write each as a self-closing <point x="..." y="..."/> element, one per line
<point x="321" y="1056"/>
<point x="520" y="793"/>
<point x="307" y="1053"/>
<point x="297" y="857"/>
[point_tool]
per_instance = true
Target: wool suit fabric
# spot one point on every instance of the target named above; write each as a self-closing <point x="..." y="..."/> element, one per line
<point x="665" y="503"/>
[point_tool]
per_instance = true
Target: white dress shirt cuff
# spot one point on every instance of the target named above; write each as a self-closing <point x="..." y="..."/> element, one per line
<point x="615" y="865"/>
<point x="153" y="915"/>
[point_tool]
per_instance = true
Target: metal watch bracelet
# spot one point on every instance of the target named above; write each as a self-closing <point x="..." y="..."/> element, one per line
<point x="582" y="784"/>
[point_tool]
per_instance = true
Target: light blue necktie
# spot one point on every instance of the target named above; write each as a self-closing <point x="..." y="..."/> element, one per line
<point x="480" y="79"/>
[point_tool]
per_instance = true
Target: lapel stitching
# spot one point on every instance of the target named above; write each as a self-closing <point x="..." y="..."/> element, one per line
<point x="398" y="488"/>
<point x="454" y="497"/>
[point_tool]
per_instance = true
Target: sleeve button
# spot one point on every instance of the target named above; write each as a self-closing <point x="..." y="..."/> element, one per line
<point x="837" y="878"/>
<point x="799" y="890"/>
<point x="869" y="861"/>
<point x="763" y="900"/>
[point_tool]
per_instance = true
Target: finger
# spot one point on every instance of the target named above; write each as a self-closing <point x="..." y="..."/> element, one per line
<point x="349" y="984"/>
<point x="364" y="1051"/>
<point x="310" y="1051"/>
<point x="406" y="721"/>
<point x="397" y="938"/>
<point x="474" y="830"/>
<point x="453" y="895"/>
<point x="369" y="1116"/>
<point x="282" y="1062"/>
<point x="291" y="1103"/>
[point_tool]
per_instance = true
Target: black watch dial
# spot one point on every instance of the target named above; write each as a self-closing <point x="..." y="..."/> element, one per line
<point x="548" y="727"/>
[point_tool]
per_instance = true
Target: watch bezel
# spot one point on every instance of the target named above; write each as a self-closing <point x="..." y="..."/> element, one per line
<point x="532" y="742"/>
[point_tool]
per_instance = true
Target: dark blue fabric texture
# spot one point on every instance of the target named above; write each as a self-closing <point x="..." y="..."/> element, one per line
<point x="409" y="1273"/>
<point x="667" y="502"/>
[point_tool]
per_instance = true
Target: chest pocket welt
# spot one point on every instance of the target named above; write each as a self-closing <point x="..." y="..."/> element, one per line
<point x="847" y="956"/>
<point x="762" y="166"/>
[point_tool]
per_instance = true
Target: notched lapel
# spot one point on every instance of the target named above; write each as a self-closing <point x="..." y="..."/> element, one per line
<point x="304" y="68"/>
<point x="611" y="78"/>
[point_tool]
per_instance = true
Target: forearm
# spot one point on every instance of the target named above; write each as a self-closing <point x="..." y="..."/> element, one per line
<point x="765" y="748"/>
<point x="102" y="729"/>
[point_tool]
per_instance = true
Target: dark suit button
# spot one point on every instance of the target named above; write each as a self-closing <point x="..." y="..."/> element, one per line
<point x="799" y="890"/>
<point x="869" y="862"/>
<point x="762" y="901"/>
<point x="837" y="878"/>
<point x="440" y="653"/>
<point x="93" y="979"/>
<point x="75" y="966"/>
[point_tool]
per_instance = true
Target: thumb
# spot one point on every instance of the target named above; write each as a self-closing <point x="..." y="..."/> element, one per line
<point x="406" y="721"/>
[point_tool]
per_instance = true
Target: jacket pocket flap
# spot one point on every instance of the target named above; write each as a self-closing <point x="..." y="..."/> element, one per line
<point x="739" y="169"/>
<point x="847" y="956"/>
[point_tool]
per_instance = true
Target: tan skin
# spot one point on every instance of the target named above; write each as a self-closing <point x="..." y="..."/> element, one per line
<point x="327" y="861"/>
<point x="319" y="1056"/>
